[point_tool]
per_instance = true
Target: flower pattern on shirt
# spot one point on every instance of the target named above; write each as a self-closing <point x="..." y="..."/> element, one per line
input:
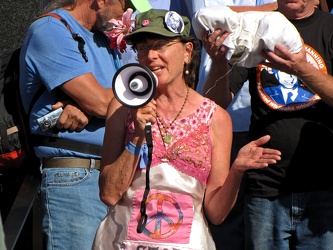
<point x="191" y="148"/>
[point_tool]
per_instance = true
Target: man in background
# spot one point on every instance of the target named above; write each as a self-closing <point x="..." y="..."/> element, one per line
<point x="75" y="70"/>
<point x="288" y="204"/>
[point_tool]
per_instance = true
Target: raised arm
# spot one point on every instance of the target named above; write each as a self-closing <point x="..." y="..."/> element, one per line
<point x="118" y="164"/>
<point x="216" y="86"/>
<point x="223" y="183"/>
<point x="263" y="7"/>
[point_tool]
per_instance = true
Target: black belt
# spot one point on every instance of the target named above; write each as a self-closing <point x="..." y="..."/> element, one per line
<point x="71" y="163"/>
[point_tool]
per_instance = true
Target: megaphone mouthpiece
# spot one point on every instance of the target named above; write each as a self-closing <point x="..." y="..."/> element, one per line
<point x="140" y="83"/>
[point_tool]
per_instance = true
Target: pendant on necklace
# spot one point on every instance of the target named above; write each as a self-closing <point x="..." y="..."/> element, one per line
<point x="164" y="160"/>
<point x="167" y="138"/>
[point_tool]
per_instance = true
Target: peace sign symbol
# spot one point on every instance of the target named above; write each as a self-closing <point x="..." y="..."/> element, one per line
<point x="159" y="216"/>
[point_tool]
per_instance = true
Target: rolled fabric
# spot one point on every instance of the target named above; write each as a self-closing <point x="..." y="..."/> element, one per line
<point x="250" y="32"/>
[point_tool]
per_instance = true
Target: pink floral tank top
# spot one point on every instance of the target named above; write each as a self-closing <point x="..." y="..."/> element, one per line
<point x="190" y="150"/>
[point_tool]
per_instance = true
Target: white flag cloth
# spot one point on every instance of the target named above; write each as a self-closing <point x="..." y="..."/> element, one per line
<point x="251" y="32"/>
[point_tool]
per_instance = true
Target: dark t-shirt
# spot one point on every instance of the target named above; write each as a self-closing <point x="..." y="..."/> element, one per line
<point x="300" y="124"/>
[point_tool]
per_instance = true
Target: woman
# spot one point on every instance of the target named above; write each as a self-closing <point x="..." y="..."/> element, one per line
<point x="189" y="175"/>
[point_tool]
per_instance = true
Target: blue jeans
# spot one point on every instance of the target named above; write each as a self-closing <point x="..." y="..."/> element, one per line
<point x="2" y="236"/>
<point x="71" y="209"/>
<point x="302" y="221"/>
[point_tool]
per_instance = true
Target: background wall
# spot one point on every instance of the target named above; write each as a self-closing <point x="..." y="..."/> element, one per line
<point x="15" y="18"/>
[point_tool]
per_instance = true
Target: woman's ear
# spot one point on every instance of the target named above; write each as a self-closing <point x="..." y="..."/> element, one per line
<point x="188" y="52"/>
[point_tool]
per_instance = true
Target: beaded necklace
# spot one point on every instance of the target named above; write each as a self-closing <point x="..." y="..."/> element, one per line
<point x="167" y="137"/>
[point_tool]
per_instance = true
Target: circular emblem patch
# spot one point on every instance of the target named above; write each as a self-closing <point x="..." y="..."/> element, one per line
<point x="174" y="22"/>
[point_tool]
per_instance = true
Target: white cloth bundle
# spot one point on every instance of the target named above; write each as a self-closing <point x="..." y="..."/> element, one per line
<point x="251" y="32"/>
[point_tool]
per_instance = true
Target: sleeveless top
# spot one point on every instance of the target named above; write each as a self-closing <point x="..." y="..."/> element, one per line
<point x="178" y="177"/>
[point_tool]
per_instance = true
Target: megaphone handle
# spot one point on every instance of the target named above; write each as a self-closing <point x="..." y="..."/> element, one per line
<point x="149" y="137"/>
<point x="143" y="216"/>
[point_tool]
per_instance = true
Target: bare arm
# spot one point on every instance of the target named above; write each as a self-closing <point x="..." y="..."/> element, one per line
<point x="89" y="94"/>
<point x="216" y="86"/>
<point x="263" y="7"/>
<point x="223" y="183"/>
<point x="118" y="165"/>
<point x="84" y="97"/>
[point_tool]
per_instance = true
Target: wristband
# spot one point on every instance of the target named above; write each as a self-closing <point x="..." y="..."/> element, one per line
<point x="137" y="150"/>
<point x="133" y="149"/>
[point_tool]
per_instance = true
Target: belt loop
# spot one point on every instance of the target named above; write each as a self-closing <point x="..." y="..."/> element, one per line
<point x="41" y="163"/>
<point x="92" y="165"/>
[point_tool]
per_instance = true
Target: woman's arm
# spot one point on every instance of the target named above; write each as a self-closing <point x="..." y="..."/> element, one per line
<point x="118" y="165"/>
<point x="223" y="183"/>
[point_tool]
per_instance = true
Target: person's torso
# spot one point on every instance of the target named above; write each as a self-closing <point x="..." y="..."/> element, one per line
<point x="300" y="126"/>
<point x="177" y="183"/>
<point x="50" y="57"/>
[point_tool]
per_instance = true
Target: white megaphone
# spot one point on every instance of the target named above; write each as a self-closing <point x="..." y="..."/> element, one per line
<point x="134" y="85"/>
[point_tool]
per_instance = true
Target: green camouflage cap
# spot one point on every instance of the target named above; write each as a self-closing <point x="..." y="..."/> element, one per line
<point x="160" y="22"/>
